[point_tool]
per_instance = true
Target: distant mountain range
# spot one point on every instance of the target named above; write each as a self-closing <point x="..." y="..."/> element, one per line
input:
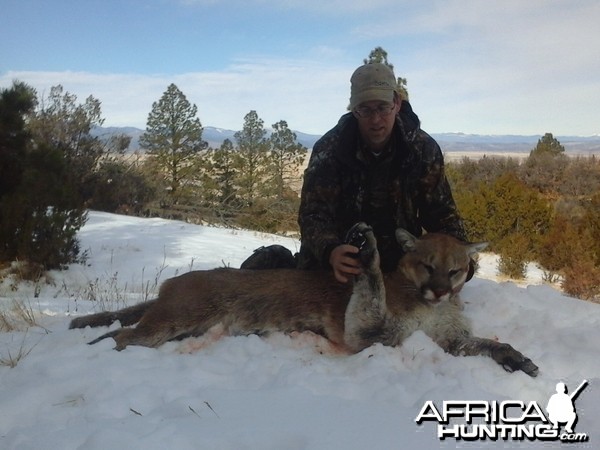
<point x="460" y="142"/>
<point x="449" y="142"/>
<point x="214" y="136"/>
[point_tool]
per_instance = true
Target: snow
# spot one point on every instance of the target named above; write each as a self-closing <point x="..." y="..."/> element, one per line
<point x="279" y="392"/>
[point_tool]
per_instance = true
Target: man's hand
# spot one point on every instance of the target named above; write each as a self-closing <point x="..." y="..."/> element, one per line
<point x="344" y="262"/>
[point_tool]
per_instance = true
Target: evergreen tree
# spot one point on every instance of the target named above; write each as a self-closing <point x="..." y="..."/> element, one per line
<point x="561" y="191"/>
<point x="379" y="56"/>
<point x="47" y="210"/>
<point x="571" y="249"/>
<point x="63" y="124"/>
<point x="173" y="138"/>
<point x="548" y="145"/>
<point x="513" y="259"/>
<point x="507" y="207"/>
<point x="545" y="167"/>
<point x="224" y="173"/>
<point x="120" y="186"/>
<point x="252" y="158"/>
<point x="15" y="104"/>
<point x="41" y="209"/>
<point x="593" y="220"/>
<point x="287" y="157"/>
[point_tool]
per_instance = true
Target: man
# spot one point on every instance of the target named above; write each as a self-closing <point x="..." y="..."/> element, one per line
<point x="376" y="165"/>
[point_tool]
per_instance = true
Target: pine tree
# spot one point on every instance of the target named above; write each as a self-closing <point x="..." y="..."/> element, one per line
<point x="173" y="138"/>
<point x="287" y="157"/>
<point x="41" y="208"/>
<point x="224" y="173"/>
<point x="64" y="124"/>
<point x="379" y="56"/>
<point x="548" y="145"/>
<point x="16" y="104"/>
<point x="545" y="167"/>
<point x="252" y="158"/>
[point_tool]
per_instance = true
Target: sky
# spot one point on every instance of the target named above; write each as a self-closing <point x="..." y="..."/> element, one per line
<point x="476" y="67"/>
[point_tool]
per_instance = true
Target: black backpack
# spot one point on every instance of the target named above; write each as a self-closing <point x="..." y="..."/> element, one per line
<point x="270" y="257"/>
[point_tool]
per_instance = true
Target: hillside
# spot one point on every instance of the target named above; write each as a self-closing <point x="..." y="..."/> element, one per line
<point x="276" y="392"/>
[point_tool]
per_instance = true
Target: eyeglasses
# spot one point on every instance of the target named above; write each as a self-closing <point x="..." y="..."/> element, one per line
<point x="364" y="112"/>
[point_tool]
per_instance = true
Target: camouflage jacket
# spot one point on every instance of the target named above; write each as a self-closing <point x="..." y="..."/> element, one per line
<point x="405" y="187"/>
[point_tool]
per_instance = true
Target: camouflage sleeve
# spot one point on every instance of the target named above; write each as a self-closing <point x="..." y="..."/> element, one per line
<point x="437" y="209"/>
<point x="321" y="192"/>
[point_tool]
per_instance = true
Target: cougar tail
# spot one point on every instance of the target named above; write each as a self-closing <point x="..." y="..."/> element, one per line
<point x="112" y="333"/>
<point x="127" y="316"/>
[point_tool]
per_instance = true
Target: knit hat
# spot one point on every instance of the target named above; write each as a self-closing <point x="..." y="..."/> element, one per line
<point x="372" y="81"/>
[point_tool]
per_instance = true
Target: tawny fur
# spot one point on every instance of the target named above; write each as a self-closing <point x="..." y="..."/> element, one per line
<point x="422" y="294"/>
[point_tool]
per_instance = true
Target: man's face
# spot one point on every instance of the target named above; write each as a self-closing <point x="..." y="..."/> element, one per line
<point x="376" y="121"/>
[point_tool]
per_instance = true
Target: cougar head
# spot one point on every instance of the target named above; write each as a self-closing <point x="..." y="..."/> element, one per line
<point x="436" y="263"/>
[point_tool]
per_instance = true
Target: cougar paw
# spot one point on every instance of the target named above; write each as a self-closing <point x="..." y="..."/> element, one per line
<point x="78" y="322"/>
<point x="357" y="235"/>
<point x="529" y="368"/>
<point x="361" y="236"/>
<point x="512" y="360"/>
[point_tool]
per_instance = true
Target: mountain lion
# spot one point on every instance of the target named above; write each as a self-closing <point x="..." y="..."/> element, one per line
<point x="387" y="308"/>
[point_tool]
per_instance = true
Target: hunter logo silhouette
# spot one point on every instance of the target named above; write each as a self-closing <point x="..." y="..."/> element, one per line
<point x="507" y="419"/>
<point x="561" y="408"/>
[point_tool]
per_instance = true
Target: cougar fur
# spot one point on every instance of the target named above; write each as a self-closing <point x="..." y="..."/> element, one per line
<point x="422" y="294"/>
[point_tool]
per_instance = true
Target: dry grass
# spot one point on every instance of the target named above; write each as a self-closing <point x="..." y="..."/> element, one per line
<point x="18" y="316"/>
<point x="109" y="295"/>
<point x="11" y="359"/>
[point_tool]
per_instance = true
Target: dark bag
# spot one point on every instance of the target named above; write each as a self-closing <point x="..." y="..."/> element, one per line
<point x="270" y="257"/>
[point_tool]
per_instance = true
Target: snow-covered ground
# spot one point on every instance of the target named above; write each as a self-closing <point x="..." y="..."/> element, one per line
<point x="279" y="392"/>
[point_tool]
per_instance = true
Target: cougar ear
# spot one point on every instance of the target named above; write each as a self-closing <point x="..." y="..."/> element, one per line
<point x="406" y="240"/>
<point x="475" y="247"/>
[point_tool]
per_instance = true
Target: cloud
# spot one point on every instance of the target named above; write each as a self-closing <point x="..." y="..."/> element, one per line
<point x="472" y="66"/>
<point x="509" y="66"/>
<point x="308" y="95"/>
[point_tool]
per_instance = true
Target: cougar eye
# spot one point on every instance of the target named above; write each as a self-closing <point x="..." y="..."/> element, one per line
<point x="454" y="272"/>
<point x="429" y="268"/>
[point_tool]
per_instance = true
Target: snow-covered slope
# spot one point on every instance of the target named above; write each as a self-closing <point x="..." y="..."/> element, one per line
<point x="280" y="392"/>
